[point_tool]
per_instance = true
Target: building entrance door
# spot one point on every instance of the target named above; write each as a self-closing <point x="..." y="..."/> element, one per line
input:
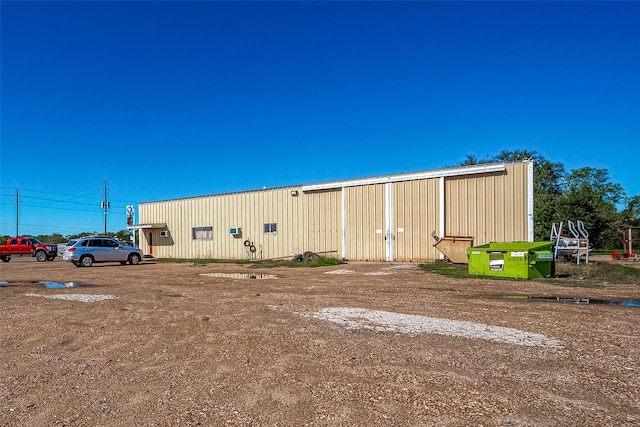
<point x="152" y="248"/>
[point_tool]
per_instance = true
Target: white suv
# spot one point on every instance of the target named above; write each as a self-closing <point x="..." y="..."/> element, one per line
<point x="88" y="250"/>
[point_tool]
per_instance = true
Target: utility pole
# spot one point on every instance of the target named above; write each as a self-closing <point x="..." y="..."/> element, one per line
<point x="17" y="201"/>
<point x="105" y="204"/>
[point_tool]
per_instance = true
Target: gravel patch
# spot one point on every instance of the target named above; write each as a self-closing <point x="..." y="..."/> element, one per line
<point x="342" y="271"/>
<point x="74" y="297"/>
<point x="385" y="321"/>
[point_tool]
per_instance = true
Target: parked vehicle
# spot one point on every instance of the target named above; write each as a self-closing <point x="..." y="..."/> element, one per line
<point x="28" y="246"/>
<point x="62" y="247"/>
<point x="89" y="250"/>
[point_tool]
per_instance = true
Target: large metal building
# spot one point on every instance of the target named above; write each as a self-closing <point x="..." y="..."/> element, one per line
<point x="382" y="218"/>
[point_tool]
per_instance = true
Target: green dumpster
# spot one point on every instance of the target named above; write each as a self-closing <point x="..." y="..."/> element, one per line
<point x="518" y="260"/>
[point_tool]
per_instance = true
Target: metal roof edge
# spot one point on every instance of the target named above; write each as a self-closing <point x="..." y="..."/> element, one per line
<point x="147" y="225"/>
<point x="229" y="193"/>
<point x="437" y="173"/>
<point x="434" y="173"/>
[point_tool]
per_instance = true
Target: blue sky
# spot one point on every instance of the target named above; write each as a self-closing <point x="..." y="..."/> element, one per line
<point x="174" y="99"/>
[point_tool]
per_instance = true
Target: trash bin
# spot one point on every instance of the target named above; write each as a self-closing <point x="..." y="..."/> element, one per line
<point x="454" y="248"/>
<point x="518" y="260"/>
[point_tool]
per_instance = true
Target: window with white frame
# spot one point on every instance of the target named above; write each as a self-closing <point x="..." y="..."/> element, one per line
<point x="202" y="233"/>
<point x="270" y="228"/>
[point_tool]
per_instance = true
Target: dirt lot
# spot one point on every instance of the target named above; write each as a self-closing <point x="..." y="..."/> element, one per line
<point x="370" y="344"/>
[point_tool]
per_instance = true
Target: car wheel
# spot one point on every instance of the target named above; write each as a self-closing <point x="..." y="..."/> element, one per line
<point x="51" y="258"/>
<point x="6" y="258"/>
<point x="41" y="256"/>
<point x="86" y="261"/>
<point x="134" y="259"/>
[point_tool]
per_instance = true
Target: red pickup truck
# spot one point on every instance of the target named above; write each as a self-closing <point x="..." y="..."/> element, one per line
<point x="27" y="246"/>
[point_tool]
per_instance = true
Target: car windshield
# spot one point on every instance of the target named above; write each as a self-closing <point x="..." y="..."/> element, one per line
<point x="34" y="241"/>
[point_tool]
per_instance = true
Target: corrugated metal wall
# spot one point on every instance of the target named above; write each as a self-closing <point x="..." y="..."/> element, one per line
<point x="365" y="223"/>
<point x="322" y="218"/>
<point x="489" y="207"/>
<point x="304" y="222"/>
<point x="416" y="217"/>
<point x="388" y="220"/>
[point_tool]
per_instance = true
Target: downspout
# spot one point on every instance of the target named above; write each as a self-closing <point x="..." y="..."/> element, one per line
<point x="530" y="191"/>
<point x="344" y="223"/>
<point x="389" y="223"/>
<point x="442" y="212"/>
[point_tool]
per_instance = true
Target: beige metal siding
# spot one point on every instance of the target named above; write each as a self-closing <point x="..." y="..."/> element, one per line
<point x="322" y="218"/>
<point x="485" y="204"/>
<point x="415" y="206"/>
<point x="304" y="222"/>
<point x="488" y="207"/>
<point x="365" y="224"/>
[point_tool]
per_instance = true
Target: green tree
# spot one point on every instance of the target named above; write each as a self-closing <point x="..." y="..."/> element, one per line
<point x="51" y="238"/>
<point x="548" y="179"/>
<point x="591" y="197"/>
<point x="631" y="213"/>
<point x="123" y="235"/>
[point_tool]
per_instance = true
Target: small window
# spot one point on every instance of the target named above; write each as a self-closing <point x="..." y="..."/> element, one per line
<point x="202" y="233"/>
<point x="164" y="233"/>
<point x="271" y="228"/>
<point x="13" y="242"/>
<point x="96" y="242"/>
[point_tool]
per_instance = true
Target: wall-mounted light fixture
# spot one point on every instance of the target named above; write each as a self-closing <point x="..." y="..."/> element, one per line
<point x="294" y="192"/>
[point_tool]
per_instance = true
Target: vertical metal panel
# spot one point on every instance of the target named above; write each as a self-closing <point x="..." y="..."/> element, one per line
<point x="490" y="207"/>
<point x="365" y="223"/>
<point x="416" y="208"/>
<point x="322" y="222"/>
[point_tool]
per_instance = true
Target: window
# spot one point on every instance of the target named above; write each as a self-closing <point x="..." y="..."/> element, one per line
<point x="164" y="234"/>
<point x="202" y="233"/>
<point x="108" y="243"/>
<point x="271" y="228"/>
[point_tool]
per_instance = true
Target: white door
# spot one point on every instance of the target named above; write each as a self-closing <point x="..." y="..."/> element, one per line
<point x="389" y="235"/>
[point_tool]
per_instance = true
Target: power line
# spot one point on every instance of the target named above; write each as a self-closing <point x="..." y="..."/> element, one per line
<point x="60" y="201"/>
<point x="115" y="209"/>
<point x="5" y="194"/>
<point x="17" y="202"/>
<point x="45" y="226"/>
<point x="89" y="193"/>
<point x="39" y="202"/>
